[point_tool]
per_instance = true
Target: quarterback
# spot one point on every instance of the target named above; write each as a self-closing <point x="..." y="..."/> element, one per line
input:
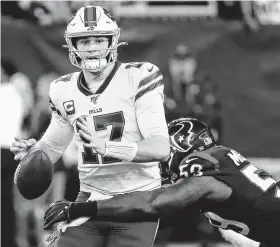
<point x="231" y="192"/>
<point x="115" y="111"/>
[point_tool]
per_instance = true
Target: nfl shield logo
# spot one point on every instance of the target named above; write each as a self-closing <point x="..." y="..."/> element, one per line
<point x="94" y="99"/>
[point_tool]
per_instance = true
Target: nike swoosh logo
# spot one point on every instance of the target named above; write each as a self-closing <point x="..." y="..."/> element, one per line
<point x="191" y="159"/>
<point x="150" y="70"/>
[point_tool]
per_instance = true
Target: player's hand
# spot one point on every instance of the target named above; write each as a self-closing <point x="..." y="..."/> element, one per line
<point x="58" y="211"/>
<point x="88" y="133"/>
<point x="66" y="211"/>
<point x="20" y="147"/>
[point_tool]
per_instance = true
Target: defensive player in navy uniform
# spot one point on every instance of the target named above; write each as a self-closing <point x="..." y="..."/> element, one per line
<point x="231" y="192"/>
<point x="115" y="111"/>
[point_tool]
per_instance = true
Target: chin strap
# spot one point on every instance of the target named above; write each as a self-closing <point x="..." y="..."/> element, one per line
<point x="121" y="43"/>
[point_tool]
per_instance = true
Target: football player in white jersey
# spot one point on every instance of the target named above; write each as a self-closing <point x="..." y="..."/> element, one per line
<point x="115" y="111"/>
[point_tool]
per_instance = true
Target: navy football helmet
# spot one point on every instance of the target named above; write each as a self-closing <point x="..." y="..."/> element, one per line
<point x="186" y="135"/>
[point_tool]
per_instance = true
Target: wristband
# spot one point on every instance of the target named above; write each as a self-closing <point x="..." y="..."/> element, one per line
<point x="83" y="209"/>
<point x="121" y="150"/>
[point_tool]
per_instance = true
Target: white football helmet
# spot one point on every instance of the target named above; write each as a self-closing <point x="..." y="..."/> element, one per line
<point x="92" y="21"/>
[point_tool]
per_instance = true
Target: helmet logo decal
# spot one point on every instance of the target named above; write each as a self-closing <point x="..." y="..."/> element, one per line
<point x="188" y="135"/>
<point x="190" y="132"/>
<point x="90" y="16"/>
<point x="181" y="138"/>
<point x="176" y="141"/>
<point x="173" y="142"/>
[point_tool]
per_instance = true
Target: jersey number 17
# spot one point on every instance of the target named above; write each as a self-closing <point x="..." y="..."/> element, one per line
<point x="116" y="120"/>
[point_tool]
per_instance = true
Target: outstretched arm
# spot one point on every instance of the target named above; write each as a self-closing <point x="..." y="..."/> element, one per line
<point x="158" y="203"/>
<point x="51" y="143"/>
<point x="164" y="201"/>
<point x="136" y="206"/>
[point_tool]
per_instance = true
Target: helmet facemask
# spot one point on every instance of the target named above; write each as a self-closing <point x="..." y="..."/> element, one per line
<point x="98" y="64"/>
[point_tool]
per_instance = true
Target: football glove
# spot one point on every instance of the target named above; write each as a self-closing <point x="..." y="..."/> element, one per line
<point x="67" y="211"/>
<point x="58" y="211"/>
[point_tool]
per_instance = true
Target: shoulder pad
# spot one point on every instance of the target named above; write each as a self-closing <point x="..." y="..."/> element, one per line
<point x="55" y="92"/>
<point x="205" y="156"/>
<point x="198" y="164"/>
<point x="136" y="65"/>
<point x="63" y="78"/>
<point x="149" y="73"/>
<point x="149" y="79"/>
<point x="236" y="157"/>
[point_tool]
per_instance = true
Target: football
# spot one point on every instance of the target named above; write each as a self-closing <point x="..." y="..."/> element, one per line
<point x="33" y="175"/>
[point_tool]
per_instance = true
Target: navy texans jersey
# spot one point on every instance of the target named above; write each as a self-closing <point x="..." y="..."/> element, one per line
<point x="253" y="208"/>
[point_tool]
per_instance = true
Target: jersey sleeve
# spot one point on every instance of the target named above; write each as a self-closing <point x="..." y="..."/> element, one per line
<point x="58" y="135"/>
<point x="198" y="164"/>
<point x="149" y="82"/>
<point x="149" y="102"/>
<point x="54" y="102"/>
<point x="60" y="132"/>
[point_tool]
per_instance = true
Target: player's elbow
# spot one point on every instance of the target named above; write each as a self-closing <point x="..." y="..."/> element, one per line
<point x="163" y="150"/>
<point x="164" y="155"/>
<point x="157" y="205"/>
<point x="154" y="148"/>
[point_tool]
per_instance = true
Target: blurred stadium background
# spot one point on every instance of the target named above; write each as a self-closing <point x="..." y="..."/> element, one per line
<point x="220" y="61"/>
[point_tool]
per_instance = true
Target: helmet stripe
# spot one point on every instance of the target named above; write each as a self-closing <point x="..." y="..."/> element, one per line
<point x="90" y="16"/>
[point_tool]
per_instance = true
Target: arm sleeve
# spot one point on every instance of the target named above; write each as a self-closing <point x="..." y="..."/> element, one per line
<point x="149" y="102"/>
<point x="59" y="134"/>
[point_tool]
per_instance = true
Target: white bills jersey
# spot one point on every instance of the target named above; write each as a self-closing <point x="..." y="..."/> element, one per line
<point x="127" y="107"/>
